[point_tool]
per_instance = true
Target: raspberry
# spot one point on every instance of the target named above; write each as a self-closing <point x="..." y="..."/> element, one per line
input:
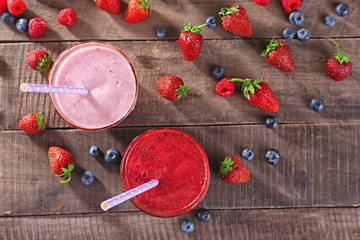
<point x="2" y="6"/>
<point x="37" y="27"/>
<point x="67" y="17"/>
<point x="16" y="7"/>
<point x="291" y="5"/>
<point x="225" y="87"/>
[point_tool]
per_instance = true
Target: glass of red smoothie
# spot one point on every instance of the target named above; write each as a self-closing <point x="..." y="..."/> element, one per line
<point x="177" y="160"/>
<point x="108" y="75"/>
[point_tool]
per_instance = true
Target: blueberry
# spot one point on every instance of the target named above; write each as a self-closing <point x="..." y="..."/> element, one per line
<point x="161" y="32"/>
<point x="248" y="154"/>
<point x="7" y="18"/>
<point x="296" y="17"/>
<point x="271" y="122"/>
<point x="288" y="33"/>
<point x="303" y="1"/>
<point x="211" y="22"/>
<point x="303" y="34"/>
<point x="272" y="156"/>
<point x="330" y="20"/>
<point x="342" y="9"/>
<point x="203" y="215"/>
<point x="187" y="226"/>
<point x="316" y="104"/>
<point x="218" y="71"/>
<point x="112" y="156"/>
<point x="22" y="25"/>
<point x="94" y="151"/>
<point x="87" y="178"/>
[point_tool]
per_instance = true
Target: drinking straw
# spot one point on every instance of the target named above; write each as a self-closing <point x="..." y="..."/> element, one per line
<point x="30" y="87"/>
<point x="114" y="201"/>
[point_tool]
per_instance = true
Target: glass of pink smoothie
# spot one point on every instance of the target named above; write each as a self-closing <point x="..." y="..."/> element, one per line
<point x="108" y="75"/>
<point x="177" y="160"/>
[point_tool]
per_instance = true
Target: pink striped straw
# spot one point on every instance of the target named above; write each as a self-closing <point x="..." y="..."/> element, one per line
<point x="30" y="87"/>
<point x="114" y="201"/>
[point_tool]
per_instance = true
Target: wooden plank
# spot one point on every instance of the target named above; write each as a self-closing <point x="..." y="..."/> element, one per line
<point x="318" y="167"/>
<point x="267" y="22"/>
<point x="305" y="224"/>
<point x="203" y="106"/>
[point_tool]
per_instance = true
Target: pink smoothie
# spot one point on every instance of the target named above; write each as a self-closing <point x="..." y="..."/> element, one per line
<point x="109" y="77"/>
<point x="174" y="158"/>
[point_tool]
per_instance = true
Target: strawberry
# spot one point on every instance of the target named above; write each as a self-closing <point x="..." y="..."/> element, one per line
<point x="262" y="2"/>
<point x="191" y="41"/>
<point x="225" y="87"/>
<point x="291" y="5"/>
<point x="110" y="6"/>
<point x="278" y="54"/>
<point x="2" y="6"/>
<point x="338" y="67"/>
<point x="16" y="7"/>
<point x="259" y="94"/>
<point x="235" y="20"/>
<point x="61" y="162"/>
<point x="232" y="170"/>
<point x="32" y="123"/>
<point x="136" y="11"/>
<point x="37" y="27"/>
<point x="39" y="60"/>
<point x="171" y="87"/>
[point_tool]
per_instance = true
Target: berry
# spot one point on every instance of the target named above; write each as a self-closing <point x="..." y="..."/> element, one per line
<point x="112" y="156"/>
<point x="61" y="162"/>
<point x="296" y="17"/>
<point x="203" y="215"/>
<point x="67" y="17"/>
<point x="259" y="94"/>
<point x="37" y="27"/>
<point x="288" y="33"/>
<point x="303" y="34"/>
<point x="137" y="11"/>
<point x="211" y="22"/>
<point x="3" y="6"/>
<point x="330" y="20"/>
<point x="262" y="2"/>
<point x="272" y="156"/>
<point x="187" y="226"/>
<point x="22" y="25"/>
<point x="316" y="104"/>
<point x="271" y="122"/>
<point x="278" y="54"/>
<point x="342" y="9"/>
<point x="171" y="87"/>
<point x="16" y="7"/>
<point x="248" y="154"/>
<point x="110" y="6"/>
<point x="232" y="170"/>
<point x="32" y="123"/>
<point x="7" y="18"/>
<point x="218" y="71"/>
<point x="161" y="32"/>
<point x="87" y="178"/>
<point x="191" y="41"/>
<point x="225" y="87"/>
<point x="235" y="20"/>
<point x="38" y="60"/>
<point x="338" y="67"/>
<point x="94" y="151"/>
<point x="291" y="5"/>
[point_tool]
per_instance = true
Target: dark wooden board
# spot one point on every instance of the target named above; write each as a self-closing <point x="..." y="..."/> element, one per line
<point x="276" y="224"/>
<point x="318" y="167"/>
<point x="240" y="58"/>
<point x="93" y="23"/>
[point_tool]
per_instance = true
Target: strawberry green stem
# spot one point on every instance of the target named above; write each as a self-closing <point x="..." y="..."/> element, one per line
<point x="272" y="46"/>
<point x="249" y="85"/>
<point x="182" y="91"/>
<point x="196" y="29"/>
<point x="67" y="172"/>
<point x="225" y="166"/>
<point x="339" y="56"/>
<point x="228" y="11"/>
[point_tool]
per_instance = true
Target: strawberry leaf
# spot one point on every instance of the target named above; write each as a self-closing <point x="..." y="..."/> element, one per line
<point x="67" y="172"/>
<point x="228" y="11"/>
<point x="272" y="46"/>
<point x="44" y="64"/>
<point x="182" y="91"/>
<point x="225" y="166"/>
<point x="339" y="56"/>
<point x="40" y="121"/>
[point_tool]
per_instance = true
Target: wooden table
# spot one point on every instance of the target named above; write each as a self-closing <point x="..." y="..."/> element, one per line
<point x="313" y="193"/>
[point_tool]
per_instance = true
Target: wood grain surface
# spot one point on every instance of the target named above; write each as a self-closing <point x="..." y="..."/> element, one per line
<point x="279" y="224"/>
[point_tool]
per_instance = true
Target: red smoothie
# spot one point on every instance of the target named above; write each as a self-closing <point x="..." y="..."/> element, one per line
<point x="174" y="158"/>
